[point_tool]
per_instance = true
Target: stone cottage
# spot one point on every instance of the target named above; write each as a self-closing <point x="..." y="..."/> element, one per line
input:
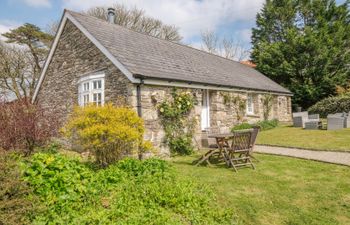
<point x="94" y="61"/>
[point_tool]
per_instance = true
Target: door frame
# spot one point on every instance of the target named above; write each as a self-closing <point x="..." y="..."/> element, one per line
<point x="205" y="111"/>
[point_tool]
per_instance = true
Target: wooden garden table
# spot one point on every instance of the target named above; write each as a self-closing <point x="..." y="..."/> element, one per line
<point x="221" y="141"/>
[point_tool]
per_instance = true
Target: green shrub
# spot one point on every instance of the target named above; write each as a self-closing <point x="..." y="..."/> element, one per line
<point x="242" y="126"/>
<point x="337" y="104"/>
<point x="181" y="145"/>
<point x="17" y="202"/>
<point x="127" y="192"/>
<point x="177" y="122"/>
<point x="109" y="132"/>
<point x="263" y="125"/>
<point x="267" y="124"/>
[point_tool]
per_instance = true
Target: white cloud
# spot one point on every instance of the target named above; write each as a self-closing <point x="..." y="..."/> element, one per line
<point x="192" y="16"/>
<point x="5" y="26"/>
<point x="38" y="3"/>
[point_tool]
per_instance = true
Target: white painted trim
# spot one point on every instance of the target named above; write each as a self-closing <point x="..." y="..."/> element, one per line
<point x="66" y="16"/>
<point x="208" y="107"/>
<point x="157" y="82"/>
<point x="91" y="77"/>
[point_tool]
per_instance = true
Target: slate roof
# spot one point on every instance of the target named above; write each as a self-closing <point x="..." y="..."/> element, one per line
<point x="151" y="57"/>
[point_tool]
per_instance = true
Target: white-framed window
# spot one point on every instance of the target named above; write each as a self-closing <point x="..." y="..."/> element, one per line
<point x="250" y="104"/>
<point x="91" y="89"/>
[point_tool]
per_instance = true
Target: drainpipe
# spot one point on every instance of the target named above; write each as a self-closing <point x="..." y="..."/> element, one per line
<point x="138" y="96"/>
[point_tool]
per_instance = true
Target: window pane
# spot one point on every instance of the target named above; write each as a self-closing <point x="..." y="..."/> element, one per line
<point x="97" y="84"/>
<point x="97" y="98"/>
<point x="250" y="104"/>
<point x="85" y="99"/>
<point x="86" y="86"/>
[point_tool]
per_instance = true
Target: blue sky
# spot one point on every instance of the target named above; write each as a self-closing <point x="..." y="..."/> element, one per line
<point x="230" y="18"/>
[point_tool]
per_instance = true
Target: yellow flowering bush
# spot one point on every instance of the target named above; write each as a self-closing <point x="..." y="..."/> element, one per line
<point x="107" y="131"/>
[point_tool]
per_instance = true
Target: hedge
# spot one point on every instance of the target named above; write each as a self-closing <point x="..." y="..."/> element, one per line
<point x="336" y="104"/>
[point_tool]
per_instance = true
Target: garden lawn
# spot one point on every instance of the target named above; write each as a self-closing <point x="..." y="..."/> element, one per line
<point x="330" y="140"/>
<point x="281" y="190"/>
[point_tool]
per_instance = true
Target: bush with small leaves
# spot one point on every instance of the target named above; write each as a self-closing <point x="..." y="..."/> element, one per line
<point x="109" y="132"/>
<point x="337" y="104"/>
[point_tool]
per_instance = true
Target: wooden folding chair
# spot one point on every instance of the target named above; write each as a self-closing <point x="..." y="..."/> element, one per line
<point x="255" y="132"/>
<point x="238" y="153"/>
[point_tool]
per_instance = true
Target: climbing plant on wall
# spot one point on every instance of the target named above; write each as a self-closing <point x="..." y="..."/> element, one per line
<point x="178" y="124"/>
<point x="237" y="103"/>
<point x="267" y="102"/>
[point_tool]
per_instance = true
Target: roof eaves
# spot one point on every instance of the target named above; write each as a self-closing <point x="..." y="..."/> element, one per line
<point x="191" y="84"/>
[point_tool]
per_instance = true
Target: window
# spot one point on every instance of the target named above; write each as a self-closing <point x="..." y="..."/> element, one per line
<point x="91" y="90"/>
<point x="250" y="105"/>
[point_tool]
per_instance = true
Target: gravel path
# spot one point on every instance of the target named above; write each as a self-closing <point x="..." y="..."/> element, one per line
<point x="324" y="156"/>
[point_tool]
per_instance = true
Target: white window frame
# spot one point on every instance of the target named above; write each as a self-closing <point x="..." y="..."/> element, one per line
<point x="250" y="104"/>
<point x="89" y="80"/>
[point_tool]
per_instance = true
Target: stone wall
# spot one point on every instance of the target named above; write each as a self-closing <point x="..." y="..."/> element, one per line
<point x="76" y="56"/>
<point x="220" y="113"/>
<point x="151" y="96"/>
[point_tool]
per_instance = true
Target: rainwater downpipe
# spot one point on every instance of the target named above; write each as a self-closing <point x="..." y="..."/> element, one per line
<point x="138" y="97"/>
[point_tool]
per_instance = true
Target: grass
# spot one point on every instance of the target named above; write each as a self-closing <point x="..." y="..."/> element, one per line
<point x="280" y="191"/>
<point x="286" y="136"/>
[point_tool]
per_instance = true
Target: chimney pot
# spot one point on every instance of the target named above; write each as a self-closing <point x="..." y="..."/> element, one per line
<point x="111" y="15"/>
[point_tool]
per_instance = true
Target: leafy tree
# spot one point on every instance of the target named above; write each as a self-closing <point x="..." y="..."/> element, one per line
<point x="136" y="19"/>
<point x="21" y="64"/>
<point x="304" y="45"/>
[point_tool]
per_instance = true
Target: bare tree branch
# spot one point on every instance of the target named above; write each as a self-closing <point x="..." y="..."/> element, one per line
<point x="210" y="41"/>
<point x="225" y="47"/>
<point x="136" y="19"/>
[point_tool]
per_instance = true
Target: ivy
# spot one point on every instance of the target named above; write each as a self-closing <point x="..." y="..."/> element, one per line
<point x="178" y="124"/>
<point x="267" y="102"/>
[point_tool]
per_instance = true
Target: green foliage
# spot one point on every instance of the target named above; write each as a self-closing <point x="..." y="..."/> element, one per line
<point x="27" y="34"/>
<point x="236" y="102"/>
<point x="23" y="65"/>
<point x="109" y="132"/>
<point x="263" y="125"/>
<point x="127" y="192"/>
<point x="242" y="126"/>
<point x="177" y="122"/>
<point x="337" y="104"/>
<point x="17" y="203"/>
<point x="303" y="45"/>
<point x="267" y="124"/>
<point x="182" y="145"/>
<point x="267" y="102"/>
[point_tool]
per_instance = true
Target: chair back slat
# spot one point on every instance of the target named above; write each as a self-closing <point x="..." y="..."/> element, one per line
<point x="241" y="141"/>
<point x="254" y="136"/>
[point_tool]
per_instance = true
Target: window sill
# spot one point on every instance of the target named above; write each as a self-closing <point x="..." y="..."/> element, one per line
<point x="253" y="116"/>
